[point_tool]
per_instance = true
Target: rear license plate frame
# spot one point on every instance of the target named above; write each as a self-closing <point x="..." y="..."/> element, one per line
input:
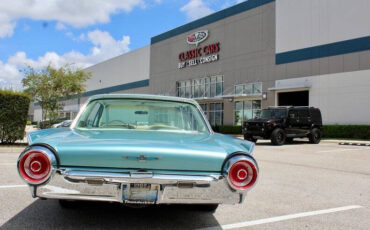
<point x="140" y="192"/>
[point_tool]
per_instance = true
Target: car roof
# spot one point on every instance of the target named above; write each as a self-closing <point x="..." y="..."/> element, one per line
<point x="142" y="96"/>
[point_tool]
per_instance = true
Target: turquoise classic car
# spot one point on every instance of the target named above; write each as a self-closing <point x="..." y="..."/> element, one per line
<point x="138" y="150"/>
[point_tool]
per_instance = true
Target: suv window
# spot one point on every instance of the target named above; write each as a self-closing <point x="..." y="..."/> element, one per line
<point x="272" y="113"/>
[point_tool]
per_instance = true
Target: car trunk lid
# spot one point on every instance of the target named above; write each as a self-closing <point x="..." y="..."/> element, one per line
<point x="130" y="149"/>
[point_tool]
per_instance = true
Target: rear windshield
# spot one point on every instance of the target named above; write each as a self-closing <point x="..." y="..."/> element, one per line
<point x="142" y="115"/>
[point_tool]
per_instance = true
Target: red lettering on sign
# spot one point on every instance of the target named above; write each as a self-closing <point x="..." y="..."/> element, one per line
<point x="217" y="47"/>
<point x="194" y="53"/>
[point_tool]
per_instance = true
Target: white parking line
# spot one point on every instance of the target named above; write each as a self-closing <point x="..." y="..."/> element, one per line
<point x="339" y="150"/>
<point x="13" y="186"/>
<point x="281" y="218"/>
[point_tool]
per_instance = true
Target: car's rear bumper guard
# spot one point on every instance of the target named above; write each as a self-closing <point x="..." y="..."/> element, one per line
<point x="109" y="186"/>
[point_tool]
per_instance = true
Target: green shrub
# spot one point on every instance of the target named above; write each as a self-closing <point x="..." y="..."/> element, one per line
<point x="29" y="123"/>
<point x="47" y="124"/>
<point x="346" y="131"/>
<point x="328" y="131"/>
<point x="228" y="129"/>
<point x="34" y="123"/>
<point x="13" y="115"/>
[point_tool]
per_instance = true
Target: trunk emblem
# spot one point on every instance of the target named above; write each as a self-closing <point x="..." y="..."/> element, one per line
<point x="140" y="158"/>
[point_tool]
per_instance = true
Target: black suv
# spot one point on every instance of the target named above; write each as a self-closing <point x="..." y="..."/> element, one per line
<point x="282" y="124"/>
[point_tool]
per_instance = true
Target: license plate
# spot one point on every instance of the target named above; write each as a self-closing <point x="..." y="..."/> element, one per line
<point x="140" y="192"/>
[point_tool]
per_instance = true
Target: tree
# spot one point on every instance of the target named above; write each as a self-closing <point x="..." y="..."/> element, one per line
<point x="50" y="85"/>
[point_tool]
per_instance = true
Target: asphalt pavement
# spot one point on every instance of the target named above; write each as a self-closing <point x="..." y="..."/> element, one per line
<point x="301" y="186"/>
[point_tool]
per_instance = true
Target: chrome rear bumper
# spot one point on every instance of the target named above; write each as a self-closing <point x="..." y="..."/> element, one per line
<point x="109" y="186"/>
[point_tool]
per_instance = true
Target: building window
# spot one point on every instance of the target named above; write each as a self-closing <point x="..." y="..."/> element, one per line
<point x="216" y="112"/>
<point x="245" y="110"/>
<point x="196" y="91"/>
<point x="188" y="93"/>
<point x="181" y="89"/>
<point x="206" y="87"/>
<point x="239" y="89"/>
<point x="199" y="88"/>
<point x="256" y="107"/>
<point x="248" y="89"/>
<point x="257" y="88"/>
<point x="238" y="112"/>
<point x="219" y="85"/>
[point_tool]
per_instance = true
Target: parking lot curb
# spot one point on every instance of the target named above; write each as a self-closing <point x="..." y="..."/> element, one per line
<point x="354" y="143"/>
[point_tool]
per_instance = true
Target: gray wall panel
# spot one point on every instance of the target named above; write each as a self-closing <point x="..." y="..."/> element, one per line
<point x="351" y="62"/>
<point x="365" y="60"/>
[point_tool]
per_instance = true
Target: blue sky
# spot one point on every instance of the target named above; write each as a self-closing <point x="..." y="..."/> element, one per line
<point x="85" y="32"/>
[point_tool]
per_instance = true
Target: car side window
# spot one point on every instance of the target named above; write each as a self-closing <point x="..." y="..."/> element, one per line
<point x="93" y="118"/>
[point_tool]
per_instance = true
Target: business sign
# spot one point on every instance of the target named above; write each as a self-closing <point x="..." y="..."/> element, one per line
<point x="199" y="55"/>
<point x="197" y="37"/>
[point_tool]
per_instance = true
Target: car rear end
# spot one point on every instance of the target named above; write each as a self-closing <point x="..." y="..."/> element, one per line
<point x="40" y="169"/>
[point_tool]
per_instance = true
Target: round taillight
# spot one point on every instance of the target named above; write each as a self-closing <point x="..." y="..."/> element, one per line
<point x="242" y="174"/>
<point x="35" y="167"/>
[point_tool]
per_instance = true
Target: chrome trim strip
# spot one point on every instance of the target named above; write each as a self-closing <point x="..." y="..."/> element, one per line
<point x="109" y="186"/>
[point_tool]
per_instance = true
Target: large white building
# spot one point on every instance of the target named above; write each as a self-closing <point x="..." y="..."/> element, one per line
<point x="256" y="54"/>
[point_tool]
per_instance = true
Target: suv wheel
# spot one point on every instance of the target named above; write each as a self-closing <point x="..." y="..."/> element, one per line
<point x="249" y="138"/>
<point x="278" y="136"/>
<point x="315" y="136"/>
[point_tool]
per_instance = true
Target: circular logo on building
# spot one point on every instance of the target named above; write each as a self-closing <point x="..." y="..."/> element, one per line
<point x="197" y="37"/>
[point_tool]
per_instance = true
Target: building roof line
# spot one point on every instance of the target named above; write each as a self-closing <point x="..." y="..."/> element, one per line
<point x="118" y="56"/>
<point x="239" y="8"/>
<point x="110" y="89"/>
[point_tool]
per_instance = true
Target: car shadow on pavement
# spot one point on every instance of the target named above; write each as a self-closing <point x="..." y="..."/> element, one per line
<point x="295" y="142"/>
<point x="48" y="214"/>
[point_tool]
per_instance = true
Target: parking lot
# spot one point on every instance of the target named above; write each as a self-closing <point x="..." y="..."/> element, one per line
<point x="301" y="186"/>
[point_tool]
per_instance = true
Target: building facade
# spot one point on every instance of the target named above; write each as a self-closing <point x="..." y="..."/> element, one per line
<point x="253" y="55"/>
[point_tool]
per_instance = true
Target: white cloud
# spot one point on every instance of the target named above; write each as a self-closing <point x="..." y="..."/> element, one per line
<point x="195" y="9"/>
<point x="74" y="37"/>
<point x="9" y="76"/>
<point x="6" y="26"/>
<point x="104" y="47"/>
<point x="60" y="26"/>
<point x="66" y="12"/>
